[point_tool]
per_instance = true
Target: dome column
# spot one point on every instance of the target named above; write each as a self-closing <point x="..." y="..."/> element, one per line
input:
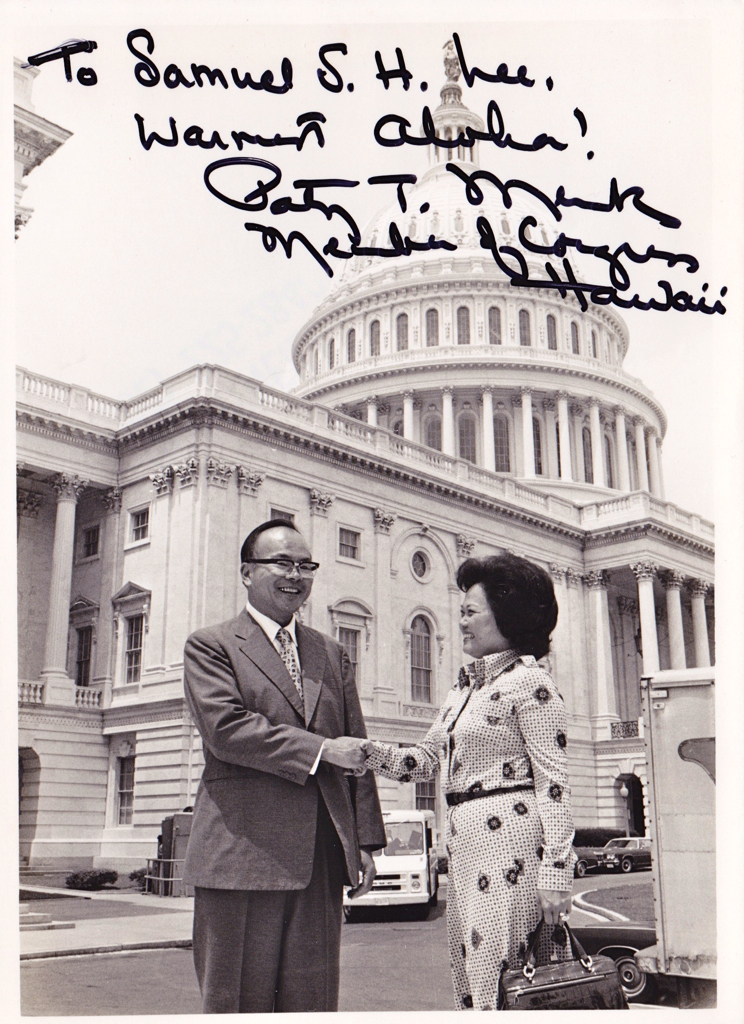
<point x="621" y="444"/>
<point x="528" y="440"/>
<point x="565" y="435"/>
<point x="640" y="440"/>
<point x="598" y="469"/>
<point x="489" y="457"/>
<point x="672" y="582"/>
<point x="698" y="590"/>
<point x="577" y="411"/>
<point x="448" y="422"/>
<point x="644" y="573"/>
<point x="408" y="415"/>
<point x="372" y="410"/>
<point x="653" y="464"/>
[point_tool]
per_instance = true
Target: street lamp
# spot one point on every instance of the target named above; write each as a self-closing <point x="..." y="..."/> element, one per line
<point x="625" y="793"/>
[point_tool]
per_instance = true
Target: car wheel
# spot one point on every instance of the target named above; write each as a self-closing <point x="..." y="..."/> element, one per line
<point x="580" y="869"/>
<point x="626" y="865"/>
<point x="638" y="987"/>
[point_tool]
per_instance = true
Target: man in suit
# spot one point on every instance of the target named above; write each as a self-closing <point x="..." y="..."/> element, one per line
<point x="279" y="824"/>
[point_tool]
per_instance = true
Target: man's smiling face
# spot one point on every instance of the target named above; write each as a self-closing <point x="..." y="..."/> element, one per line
<point x="276" y="595"/>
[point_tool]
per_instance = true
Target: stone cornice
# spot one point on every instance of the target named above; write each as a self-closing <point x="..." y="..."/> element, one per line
<point x="50" y="714"/>
<point x="172" y="709"/>
<point x="45" y="425"/>
<point x="644" y="529"/>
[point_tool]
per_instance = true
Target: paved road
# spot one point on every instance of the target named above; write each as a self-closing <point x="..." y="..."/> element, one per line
<point x="389" y="962"/>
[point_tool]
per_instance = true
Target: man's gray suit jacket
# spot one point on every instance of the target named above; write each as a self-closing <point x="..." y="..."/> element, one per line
<point x="256" y="808"/>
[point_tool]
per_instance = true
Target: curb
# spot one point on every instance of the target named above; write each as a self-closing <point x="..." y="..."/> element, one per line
<point x="118" y="948"/>
<point x="591" y="908"/>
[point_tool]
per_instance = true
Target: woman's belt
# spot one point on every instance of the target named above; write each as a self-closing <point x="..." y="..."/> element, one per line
<point x="460" y="798"/>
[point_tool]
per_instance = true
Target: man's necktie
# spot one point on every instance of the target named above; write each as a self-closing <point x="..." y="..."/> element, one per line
<point x="288" y="657"/>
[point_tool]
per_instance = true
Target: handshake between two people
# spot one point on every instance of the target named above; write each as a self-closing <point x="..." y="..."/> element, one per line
<point x="347" y="752"/>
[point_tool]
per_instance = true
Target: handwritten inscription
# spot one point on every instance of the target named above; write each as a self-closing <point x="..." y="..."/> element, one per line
<point x="250" y="184"/>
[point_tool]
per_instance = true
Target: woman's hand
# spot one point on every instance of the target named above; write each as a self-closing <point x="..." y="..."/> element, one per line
<point x="556" y="905"/>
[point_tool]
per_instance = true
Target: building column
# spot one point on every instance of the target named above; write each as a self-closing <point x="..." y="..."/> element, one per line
<point x="104" y="675"/>
<point x="408" y="415"/>
<point x="448" y="422"/>
<point x="621" y="445"/>
<point x="567" y="472"/>
<point x="653" y="464"/>
<point x="672" y="581"/>
<point x="598" y="468"/>
<point x="489" y="456"/>
<point x="550" y="461"/>
<point x="372" y="410"/>
<point x="58" y="685"/>
<point x="577" y="411"/>
<point x="640" y="440"/>
<point x="644" y="573"/>
<point x="698" y="590"/>
<point x="528" y="440"/>
<point x="606" y="703"/>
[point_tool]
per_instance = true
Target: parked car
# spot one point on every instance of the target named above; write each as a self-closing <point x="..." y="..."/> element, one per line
<point x="588" y="859"/>
<point x="621" y="942"/>
<point x="626" y="854"/>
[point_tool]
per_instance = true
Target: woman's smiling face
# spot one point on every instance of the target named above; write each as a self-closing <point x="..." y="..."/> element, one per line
<point x="480" y="634"/>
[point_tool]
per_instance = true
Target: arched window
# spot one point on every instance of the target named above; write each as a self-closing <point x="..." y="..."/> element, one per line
<point x="537" y="441"/>
<point x="501" y="444"/>
<point x="421" y="660"/>
<point x="558" y="446"/>
<point x="432" y="328"/>
<point x="552" y="339"/>
<point x="525" y="337"/>
<point x="608" y="462"/>
<point x="586" y="438"/>
<point x="351" y="346"/>
<point x="374" y="338"/>
<point x="594" y="344"/>
<point x="434" y="433"/>
<point x="401" y="331"/>
<point x="332" y="353"/>
<point x="463" y="325"/>
<point x="398" y="428"/>
<point x="494" y="326"/>
<point x="466" y="438"/>
<point x="574" y="338"/>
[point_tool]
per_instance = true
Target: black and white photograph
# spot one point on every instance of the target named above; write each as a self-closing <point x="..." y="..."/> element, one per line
<point x="378" y="401"/>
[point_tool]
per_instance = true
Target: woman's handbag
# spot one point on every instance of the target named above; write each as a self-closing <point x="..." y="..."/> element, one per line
<point x="584" y="983"/>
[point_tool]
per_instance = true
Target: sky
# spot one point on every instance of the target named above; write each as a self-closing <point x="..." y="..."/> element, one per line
<point x="130" y="270"/>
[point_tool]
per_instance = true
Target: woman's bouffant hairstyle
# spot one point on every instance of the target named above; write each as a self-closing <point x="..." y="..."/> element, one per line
<point x="521" y="597"/>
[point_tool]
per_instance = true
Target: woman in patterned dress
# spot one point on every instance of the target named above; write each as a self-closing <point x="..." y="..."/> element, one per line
<point x="499" y="741"/>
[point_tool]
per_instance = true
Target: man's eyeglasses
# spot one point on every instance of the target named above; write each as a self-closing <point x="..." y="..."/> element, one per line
<point x="284" y="566"/>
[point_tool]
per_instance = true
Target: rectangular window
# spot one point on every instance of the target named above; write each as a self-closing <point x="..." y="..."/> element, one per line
<point x="90" y="541"/>
<point x="277" y="513"/>
<point x="348" y="543"/>
<point x="426" y="796"/>
<point x="125" y="791"/>
<point x="134" y="648"/>
<point x="349" y="640"/>
<point x="141" y="524"/>
<point x="84" y="651"/>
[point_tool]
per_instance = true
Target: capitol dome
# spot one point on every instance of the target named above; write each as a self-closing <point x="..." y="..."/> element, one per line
<point x="440" y="349"/>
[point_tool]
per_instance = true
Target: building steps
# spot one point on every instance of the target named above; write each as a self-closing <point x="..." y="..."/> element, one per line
<point x="34" y="921"/>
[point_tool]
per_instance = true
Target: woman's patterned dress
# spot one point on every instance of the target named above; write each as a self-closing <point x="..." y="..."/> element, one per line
<point x="503" y="726"/>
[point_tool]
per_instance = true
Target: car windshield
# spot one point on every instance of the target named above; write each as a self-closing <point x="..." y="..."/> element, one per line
<point x="617" y="844"/>
<point x="403" y="838"/>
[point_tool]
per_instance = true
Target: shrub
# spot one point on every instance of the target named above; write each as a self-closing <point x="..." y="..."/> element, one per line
<point x="91" y="880"/>
<point x="138" y="876"/>
<point x="598" y="836"/>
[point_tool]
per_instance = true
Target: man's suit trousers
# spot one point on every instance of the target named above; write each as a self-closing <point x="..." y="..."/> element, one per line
<point x="260" y="951"/>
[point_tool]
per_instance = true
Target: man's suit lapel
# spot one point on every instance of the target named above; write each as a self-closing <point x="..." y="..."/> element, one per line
<point x="259" y="649"/>
<point x="313" y="660"/>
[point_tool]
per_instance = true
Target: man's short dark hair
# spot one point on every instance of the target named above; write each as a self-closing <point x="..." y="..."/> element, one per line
<point x="521" y="596"/>
<point x="248" y="549"/>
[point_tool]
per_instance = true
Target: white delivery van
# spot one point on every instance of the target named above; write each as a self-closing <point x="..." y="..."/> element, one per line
<point x="407" y="867"/>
